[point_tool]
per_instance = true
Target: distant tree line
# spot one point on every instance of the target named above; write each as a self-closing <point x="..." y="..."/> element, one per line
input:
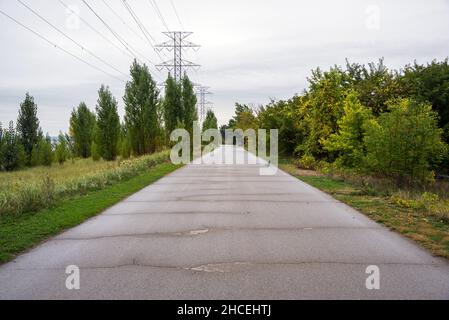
<point x="100" y="133"/>
<point x="364" y="118"/>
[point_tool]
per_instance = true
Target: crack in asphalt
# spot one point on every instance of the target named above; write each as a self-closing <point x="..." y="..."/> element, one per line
<point x="206" y="230"/>
<point x="228" y="267"/>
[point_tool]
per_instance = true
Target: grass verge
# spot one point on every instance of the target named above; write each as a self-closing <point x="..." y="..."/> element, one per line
<point x="21" y="233"/>
<point x="429" y="231"/>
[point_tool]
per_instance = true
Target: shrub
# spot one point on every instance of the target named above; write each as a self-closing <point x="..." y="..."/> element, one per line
<point x="348" y="142"/>
<point x="307" y="162"/>
<point x="403" y="142"/>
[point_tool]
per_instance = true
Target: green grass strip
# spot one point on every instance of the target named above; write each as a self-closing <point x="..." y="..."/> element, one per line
<point x="21" y="233"/>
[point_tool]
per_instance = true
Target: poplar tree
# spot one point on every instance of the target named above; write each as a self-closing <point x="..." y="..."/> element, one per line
<point x="82" y="123"/>
<point x="172" y="105"/>
<point x="189" y="112"/>
<point x="141" y="103"/>
<point x="108" y="124"/>
<point x="211" y="121"/>
<point x="28" y="126"/>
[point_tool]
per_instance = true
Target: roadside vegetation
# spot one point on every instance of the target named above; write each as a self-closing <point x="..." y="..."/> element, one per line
<point x="41" y="187"/>
<point x="21" y="232"/>
<point x="48" y="184"/>
<point x="99" y="149"/>
<point x="376" y="138"/>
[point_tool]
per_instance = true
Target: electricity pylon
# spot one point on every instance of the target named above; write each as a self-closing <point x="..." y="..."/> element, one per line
<point x="202" y="92"/>
<point x="177" y="44"/>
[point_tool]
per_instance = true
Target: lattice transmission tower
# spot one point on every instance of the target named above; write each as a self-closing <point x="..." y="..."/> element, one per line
<point x="202" y="93"/>
<point x="177" y="44"/>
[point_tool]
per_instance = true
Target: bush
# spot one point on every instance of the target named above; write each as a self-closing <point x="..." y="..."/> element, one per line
<point x="42" y="153"/>
<point x="307" y="162"/>
<point x="404" y="142"/>
<point x="348" y="142"/>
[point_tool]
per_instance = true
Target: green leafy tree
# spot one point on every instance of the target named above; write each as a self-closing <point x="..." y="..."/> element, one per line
<point x="210" y="122"/>
<point x="61" y="149"/>
<point x="13" y="152"/>
<point x="324" y="104"/>
<point x="141" y="104"/>
<point x="188" y="98"/>
<point x="45" y="152"/>
<point x="285" y="116"/>
<point x="375" y="84"/>
<point x="95" y="152"/>
<point x="430" y="83"/>
<point x="28" y="125"/>
<point x="172" y="105"/>
<point x="82" y="122"/>
<point x="244" y="118"/>
<point x="125" y="148"/>
<point x="405" y="142"/>
<point x="108" y="124"/>
<point x="348" y="141"/>
<point x="2" y="143"/>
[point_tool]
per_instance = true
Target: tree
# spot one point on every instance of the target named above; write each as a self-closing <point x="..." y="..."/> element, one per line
<point x="430" y="83"/>
<point x="108" y="124"/>
<point x="82" y="122"/>
<point x="244" y="118"/>
<point x="285" y="116"/>
<point x="28" y="125"/>
<point x="141" y="103"/>
<point x="211" y="121"/>
<point x="348" y="141"/>
<point x="172" y="105"/>
<point x="95" y="152"/>
<point x="2" y="143"/>
<point x="404" y="142"/>
<point x="189" y="112"/>
<point x="324" y="105"/>
<point x="124" y="145"/>
<point x="375" y="84"/>
<point x="61" y="149"/>
<point x="13" y="153"/>
<point x="43" y="152"/>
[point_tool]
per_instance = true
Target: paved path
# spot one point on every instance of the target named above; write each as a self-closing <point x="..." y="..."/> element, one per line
<point x="225" y="232"/>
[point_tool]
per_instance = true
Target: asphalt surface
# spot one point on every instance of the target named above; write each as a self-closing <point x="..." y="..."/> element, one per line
<point x="227" y="232"/>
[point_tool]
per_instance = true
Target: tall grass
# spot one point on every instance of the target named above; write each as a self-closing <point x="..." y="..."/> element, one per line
<point x="38" y="188"/>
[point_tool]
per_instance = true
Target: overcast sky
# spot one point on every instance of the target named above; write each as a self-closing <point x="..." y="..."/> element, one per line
<point x="252" y="50"/>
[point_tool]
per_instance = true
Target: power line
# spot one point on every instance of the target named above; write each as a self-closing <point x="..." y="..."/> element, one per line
<point x="117" y="36"/>
<point x="71" y="39"/>
<point x="58" y="47"/>
<point x="177" y="15"/>
<point x="122" y="20"/>
<point x="95" y="30"/>
<point x="139" y="23"/>
<point x="158" y="13"/>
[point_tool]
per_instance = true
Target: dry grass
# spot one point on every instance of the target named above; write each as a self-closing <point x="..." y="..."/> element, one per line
<point x="38" y="188"/>
<point x="58" y="173"/>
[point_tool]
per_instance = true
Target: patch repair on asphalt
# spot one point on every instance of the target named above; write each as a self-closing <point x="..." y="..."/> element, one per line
<point x="218" y="267"/>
